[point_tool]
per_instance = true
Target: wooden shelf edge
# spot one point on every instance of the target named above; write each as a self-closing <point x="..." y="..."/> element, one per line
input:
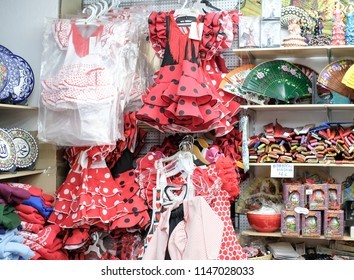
<point x="17" y="107"/>
<point x="8" y="175"/>
<point x="251" y="232"/>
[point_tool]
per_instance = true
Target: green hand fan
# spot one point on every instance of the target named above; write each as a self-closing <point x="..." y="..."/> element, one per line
<point x="278" y="79"/>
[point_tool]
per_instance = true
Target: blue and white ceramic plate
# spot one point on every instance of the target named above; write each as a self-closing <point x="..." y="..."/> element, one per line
<point x="7" y="151"/>
<point x="5" y="50"/>
<point x="26" y="83"/>
<point x="26" y="147"/>
<point x="12" y="74"/>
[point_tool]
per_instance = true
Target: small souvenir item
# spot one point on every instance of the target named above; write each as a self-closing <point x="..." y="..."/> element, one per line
<point x="290" y="223"/>
<point x="338" y="33"/>
<point x="317" y="196"/>
<point x="294" y="196"/>
<point x="26" y="148"/>
<point x="249" y="31"/>
<point x="294" y="39"/>
<point x="7" y="152"/>
<point x="271" y="9"/>
<point x="333" y="223"/>
<point x="270" y="34"/>
<point x="349" y="28"/>
<point x="319" y="39"/>
<point x="311" y="223"/>
<point x="334" y="196"/>
<point x="290" y="12"/>
<point x="335" y="78"/>
<point x="278" y="79"/>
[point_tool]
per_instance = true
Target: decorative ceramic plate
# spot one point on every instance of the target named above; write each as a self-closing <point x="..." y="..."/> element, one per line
<point x="26" y="147"/>
<point x="12" y="73"/>
<point x="26" y="84"/>
<point x="5" y="50"/>
<point x="7" y="151"/>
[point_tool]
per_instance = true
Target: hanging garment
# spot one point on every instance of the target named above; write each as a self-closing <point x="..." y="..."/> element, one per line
<point x="182" y="97"/>
<point x="197" y="237"/>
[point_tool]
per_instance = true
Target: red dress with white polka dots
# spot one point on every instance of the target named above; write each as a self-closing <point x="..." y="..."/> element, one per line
<point x="184" y="96"/>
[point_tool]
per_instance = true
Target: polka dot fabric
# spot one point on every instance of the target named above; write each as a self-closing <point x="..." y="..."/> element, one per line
<point x="90" y="196"/>
<point x="184" y="96"/>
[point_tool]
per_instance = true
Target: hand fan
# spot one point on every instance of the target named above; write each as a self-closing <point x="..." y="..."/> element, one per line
<point x="278" y="79"/>
<point x="232" y="83"/>
<point x="332" y="75"/>
<point x="308" y="71"/>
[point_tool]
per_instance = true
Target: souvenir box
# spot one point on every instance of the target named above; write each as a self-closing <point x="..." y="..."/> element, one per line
<point x="293" y="196"/>
<point x="290" y="223"/>
<point x="311" y="224"/>
<point x="271" y="9"/>
<point x="270" y="34"/>
<point x="333" y="223"/>
<point x="317" y="196"/>
<point x="334" y="196"/>
<point x="249" y="31"/>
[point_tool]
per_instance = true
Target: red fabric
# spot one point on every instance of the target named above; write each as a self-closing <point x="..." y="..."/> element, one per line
<point x="33" y="217"/>
<point x="30" y="227"/>
<point x="185" y="95"/>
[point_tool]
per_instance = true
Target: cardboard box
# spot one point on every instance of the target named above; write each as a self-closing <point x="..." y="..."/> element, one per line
<point x="317" y="196"/>
<point x="290" y="223"/>
<point x="333" y="224"/>
<point x="293" y="196"/>
<point x="311" y="224"/>
<point x="334" y="196"/>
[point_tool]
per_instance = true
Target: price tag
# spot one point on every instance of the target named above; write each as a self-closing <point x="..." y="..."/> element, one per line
<point x="282" y="170"/>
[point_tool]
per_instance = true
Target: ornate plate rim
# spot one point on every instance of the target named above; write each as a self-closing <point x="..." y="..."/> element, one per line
<point x="5" y="134"/>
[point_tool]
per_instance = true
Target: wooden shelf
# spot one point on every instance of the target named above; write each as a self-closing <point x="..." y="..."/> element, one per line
<point x="298" y="52"/>
<point x="298" y="107"/>
<point x="8" y="175"/>
<point x="297" y="164"/>
<point x="251" y="232"/>
<point x="16" y="107"/>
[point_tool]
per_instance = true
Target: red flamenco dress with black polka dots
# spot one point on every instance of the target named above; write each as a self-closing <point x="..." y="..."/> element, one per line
<point x="182" y="97"/>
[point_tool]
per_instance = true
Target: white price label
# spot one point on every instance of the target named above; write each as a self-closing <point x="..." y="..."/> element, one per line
<point x="282" y="170"/>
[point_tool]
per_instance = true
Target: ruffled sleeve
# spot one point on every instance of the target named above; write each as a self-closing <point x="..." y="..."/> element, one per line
<point x="157" y="32"/>
<point x="230" y="178"/>
<point x="217" y="34"/>
<point x="61" y="31"/>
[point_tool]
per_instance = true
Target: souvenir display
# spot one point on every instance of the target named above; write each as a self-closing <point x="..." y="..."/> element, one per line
<point x="270" y="34"/>
<point x="271" y="9"/>
<point x="333" y="223"/>
<point x="26" y="83"/>
<point x="311" y="224"/>
<point x="7" y="152"/>
<point x="349" y="27"/>
<point x="338" y="33"/>
<point x="249" y="31"/>
<point x="278" y="79"/>
<point x="232" y="83"/>
<point x="10" y="71"/>
<point x="26" y="147"/>
<point x="307" y="144"/>
<point x="294" y="39"/>
<point x="318" y="38"/>
<point x="290" y="223"/>
<point x="333" y="74"/>
<point x="309" y="72"/>
<point x="289" y="12"/>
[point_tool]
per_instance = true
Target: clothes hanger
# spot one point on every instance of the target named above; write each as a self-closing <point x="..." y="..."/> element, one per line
<point x="94" y="248"/>
<point x="103" y="9"/>
<point x="185" y="16"/>
<point x="91" y="19"/>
